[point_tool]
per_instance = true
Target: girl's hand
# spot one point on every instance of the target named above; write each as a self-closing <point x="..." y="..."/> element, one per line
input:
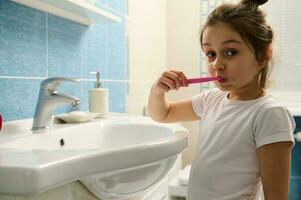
<point x="169" y="80"/>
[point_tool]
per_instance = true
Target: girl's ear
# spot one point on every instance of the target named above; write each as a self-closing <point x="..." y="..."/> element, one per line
<point x="265" y="57"/>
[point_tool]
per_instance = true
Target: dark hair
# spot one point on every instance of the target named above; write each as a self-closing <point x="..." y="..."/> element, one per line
<point x="249" y="21"/>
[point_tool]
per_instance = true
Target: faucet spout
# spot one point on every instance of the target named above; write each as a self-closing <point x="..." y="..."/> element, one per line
<point x="49" y="98"/>
<point x="61" y="99"/>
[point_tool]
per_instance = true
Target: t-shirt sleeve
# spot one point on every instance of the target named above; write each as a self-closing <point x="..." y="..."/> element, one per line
<point x="274" y="124"/>
<point x="200" y="100"/>
<point x="197" y="105"/>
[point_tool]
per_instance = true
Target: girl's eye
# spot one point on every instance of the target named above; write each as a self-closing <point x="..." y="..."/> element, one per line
<point x="231" y="52"/>
<point x="210" y="54"/>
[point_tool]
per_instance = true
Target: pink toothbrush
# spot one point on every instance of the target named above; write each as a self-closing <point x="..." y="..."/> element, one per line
<point x="205" y="79"/>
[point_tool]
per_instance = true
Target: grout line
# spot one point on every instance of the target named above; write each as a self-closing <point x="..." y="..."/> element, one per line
<point x="121" y="81"/>
<point x="82" y="71"/>
<point x="47" y="64"/>
<point x="20" y="77"/>
<point x="106" y="47"/>
<point x="81" y="79"/>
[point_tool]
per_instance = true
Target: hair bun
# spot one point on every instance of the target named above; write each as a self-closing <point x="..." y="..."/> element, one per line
<point x="253" y="2"/>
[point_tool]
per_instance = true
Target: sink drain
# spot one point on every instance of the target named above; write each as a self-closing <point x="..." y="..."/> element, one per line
<point x="62" y="142"/>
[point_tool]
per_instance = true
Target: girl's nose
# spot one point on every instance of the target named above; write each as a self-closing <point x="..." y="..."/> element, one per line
<point x="218" y="64"/>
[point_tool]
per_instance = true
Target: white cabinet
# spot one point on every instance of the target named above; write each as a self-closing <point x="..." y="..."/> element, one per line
<point x="81" y="11"/>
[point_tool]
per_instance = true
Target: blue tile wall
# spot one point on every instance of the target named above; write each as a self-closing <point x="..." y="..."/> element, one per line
<point x="35" y="45"/>
<point x="64" y="47"/>
<point x="22" y="41"/>
<point x="18" y="97"/>
<point x="95" y="51"/>
<point x="118" y="46"/>
<point x="295" y="189"/>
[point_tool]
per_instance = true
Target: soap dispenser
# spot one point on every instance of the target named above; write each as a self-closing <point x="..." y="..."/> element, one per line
<point x="98" y="97"/>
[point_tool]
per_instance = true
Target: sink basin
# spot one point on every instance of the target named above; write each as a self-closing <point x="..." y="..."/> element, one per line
<point x="117" y="157"/>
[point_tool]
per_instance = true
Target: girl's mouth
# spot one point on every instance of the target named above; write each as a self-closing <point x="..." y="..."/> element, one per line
<point x="221" y="79"/>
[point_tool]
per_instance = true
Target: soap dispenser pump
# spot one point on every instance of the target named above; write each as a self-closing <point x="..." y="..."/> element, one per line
<point x="98" y="97"/>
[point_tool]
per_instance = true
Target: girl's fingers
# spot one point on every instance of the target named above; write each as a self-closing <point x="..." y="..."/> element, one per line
<point x="183" y="78"/>
<point x="160" y="88"/>
<point x="173" y="75"/>
<point x="168" y="82"/>
<point x="163" y="87"/>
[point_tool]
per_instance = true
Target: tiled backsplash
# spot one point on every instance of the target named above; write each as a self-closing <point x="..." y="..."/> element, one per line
<point x="35" y="45"/>
<point x="295" y="193"/>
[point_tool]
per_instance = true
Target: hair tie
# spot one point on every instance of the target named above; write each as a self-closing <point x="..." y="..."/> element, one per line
<point x="253" y="3"/>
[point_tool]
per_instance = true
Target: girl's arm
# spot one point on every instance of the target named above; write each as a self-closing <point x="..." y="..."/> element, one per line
<point x="275" y="162"/>
<point x="160" y="108"/>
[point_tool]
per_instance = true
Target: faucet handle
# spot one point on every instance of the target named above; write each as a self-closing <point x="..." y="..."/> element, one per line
<point x="52" y="83"/>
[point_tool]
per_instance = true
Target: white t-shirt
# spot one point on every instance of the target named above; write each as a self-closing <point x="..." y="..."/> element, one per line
<point x="226" y="166"/>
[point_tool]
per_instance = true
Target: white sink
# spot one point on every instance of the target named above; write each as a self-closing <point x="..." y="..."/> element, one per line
<point x="115" y="158"/>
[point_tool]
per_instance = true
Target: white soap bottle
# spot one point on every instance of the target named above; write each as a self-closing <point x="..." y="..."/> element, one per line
<point x="98" y="97"/>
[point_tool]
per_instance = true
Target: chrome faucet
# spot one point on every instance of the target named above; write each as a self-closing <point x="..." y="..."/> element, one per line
<point x="49" y="98"/>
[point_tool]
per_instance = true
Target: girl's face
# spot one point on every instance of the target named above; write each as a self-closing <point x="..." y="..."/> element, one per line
<point x="229" y="56"/>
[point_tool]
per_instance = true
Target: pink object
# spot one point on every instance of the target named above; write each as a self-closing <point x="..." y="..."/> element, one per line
<point x="205" y="79"/>
<point x="0" y="121"/>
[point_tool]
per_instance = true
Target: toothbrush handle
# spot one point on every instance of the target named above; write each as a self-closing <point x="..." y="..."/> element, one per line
<point x="202" y="79"/>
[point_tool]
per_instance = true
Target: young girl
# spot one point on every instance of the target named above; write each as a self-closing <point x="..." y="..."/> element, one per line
<point x="246" y="135"/>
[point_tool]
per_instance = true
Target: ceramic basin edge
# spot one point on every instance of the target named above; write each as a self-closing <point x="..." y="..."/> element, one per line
<point x="45" y="169"/>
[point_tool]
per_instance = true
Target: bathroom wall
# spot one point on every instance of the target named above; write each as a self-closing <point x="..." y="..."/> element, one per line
<point x="183" y="53"/>
<point x="35" y="45"/>
<point x="147" y="50"/>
